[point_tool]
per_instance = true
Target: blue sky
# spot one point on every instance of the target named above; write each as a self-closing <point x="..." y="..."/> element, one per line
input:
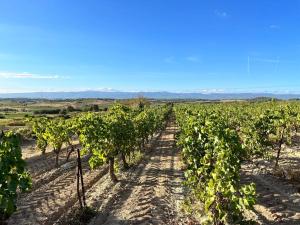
<point x="132" y="45"/>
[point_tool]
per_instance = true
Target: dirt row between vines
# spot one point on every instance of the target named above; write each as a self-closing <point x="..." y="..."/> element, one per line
<point x="46" y="204"/>
<point x="150" y="193"/>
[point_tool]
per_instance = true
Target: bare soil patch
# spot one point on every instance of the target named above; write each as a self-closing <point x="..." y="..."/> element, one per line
<point x="278" y="197"/>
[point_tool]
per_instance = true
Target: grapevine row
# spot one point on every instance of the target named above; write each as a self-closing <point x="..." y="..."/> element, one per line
<point x="104" y="137"/>
<point x="216" y="139"/>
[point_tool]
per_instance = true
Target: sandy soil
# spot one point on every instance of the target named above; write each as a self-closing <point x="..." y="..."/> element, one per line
<point x="46" y="204"/>
<point x="278" y="197"/>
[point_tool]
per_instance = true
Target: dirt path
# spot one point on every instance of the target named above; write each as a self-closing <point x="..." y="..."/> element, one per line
<point x="150" y="193"/>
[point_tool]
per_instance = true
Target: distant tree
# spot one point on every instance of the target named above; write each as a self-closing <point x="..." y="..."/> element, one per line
<point x="63" y="111"/>
<point x="70" y="108"/>
<point x="94" y="108"/>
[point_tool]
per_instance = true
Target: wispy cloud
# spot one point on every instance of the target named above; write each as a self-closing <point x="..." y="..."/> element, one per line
<point x="221" y="14"/>
<point x="274" y="26"/>
<point x="169" y="59"/>
<point x="24" y="75"/>
<point x="192" y="59"/>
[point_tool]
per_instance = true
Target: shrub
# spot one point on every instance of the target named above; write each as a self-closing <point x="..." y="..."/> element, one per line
<point x="47" y="111"/>
<point x="13" y="175"/>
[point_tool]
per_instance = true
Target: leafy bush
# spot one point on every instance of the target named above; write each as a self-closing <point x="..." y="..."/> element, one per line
<point x="47" y="111"/>
<point x="8" y="110"/>
<point x="13" y="176"/>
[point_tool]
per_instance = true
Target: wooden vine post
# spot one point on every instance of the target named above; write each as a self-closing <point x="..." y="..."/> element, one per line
<point x="79" y="175"/>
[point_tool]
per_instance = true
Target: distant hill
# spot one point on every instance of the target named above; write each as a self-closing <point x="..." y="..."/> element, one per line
<point x="152" y="95"/>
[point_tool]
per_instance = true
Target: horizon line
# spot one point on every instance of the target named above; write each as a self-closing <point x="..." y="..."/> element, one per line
<point x="108" y="90"/>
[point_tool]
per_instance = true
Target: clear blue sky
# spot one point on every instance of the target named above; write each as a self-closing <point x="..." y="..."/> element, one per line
<point x="171" y="45"/>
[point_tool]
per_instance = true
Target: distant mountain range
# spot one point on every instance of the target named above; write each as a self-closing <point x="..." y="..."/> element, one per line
<point x="152" y="95"/>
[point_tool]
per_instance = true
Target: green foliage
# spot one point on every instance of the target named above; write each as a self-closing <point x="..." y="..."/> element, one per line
<point x="47" y="111"/>
<point x="143" y="126"/>
<point x="56" y="133"/>
<point x="115" y="133"/>
<point x="39" y="128"/>
<point x="213" y="153"/>
<point x="51" y="132"/>
<point x="216" y="138"/>
<point x="93" y="136"/>
<point x="121" y="133"/>
<point x="105" y="136"/>
<point x="13" y="176"/>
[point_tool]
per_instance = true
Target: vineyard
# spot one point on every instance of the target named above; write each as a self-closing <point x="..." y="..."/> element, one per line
<point x="233" y="154"/>
<point x="184" y="163"/>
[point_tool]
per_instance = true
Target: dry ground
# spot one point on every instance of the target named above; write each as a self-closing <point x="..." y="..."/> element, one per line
<point x="278" y="191"/>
